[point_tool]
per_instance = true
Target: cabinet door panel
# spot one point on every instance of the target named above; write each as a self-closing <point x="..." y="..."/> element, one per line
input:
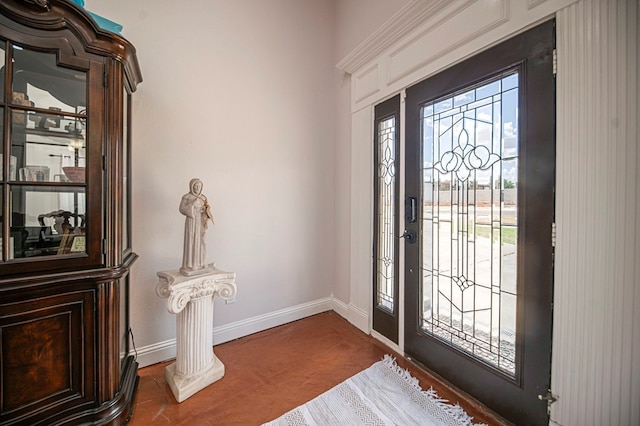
<point x="46" y="352"/>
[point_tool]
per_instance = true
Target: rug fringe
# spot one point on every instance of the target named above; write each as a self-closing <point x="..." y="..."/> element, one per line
<point x="456" y="411"/>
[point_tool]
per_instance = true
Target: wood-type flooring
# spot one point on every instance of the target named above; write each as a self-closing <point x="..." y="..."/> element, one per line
<point x="274" y="371"/>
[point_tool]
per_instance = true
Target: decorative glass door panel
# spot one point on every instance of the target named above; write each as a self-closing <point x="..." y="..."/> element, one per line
<point x="480" y="160"/>
<point x="386" y="214"/>
<point x="469" y="234"/>
<point x="386" y="221"/>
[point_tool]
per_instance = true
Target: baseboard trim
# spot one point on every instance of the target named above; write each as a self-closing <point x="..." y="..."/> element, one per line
<point x="155" y="353"/>
<point x="353" y="314"/>
<point x="249" y="326"/>
<point x="359" y="318"/>
<point x="166" y="350"/>
<point x="340" y="307"/>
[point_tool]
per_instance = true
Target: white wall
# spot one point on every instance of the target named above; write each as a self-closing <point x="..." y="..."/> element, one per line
<point x="239" y="94"/>
<point x="355" y="21"/>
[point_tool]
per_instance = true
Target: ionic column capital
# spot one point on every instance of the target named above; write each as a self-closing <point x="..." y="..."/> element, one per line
<point x="180" y="289"/>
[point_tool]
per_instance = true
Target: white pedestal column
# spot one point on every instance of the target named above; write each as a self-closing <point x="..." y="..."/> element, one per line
<point x="191" y="299"/>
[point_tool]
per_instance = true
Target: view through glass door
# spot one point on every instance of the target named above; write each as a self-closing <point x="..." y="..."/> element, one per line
<point x="480" y="161"/>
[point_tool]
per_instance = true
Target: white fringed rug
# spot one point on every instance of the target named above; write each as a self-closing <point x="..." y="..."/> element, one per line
<point x="383" y="394"/>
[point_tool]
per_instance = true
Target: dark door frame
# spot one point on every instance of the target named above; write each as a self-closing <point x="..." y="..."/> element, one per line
<point x="531" y="53"/>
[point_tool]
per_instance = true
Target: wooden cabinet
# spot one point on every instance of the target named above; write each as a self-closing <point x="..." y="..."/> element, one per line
<point x="65" y="246"/>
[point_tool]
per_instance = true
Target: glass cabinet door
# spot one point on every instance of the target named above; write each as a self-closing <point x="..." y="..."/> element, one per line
<point x="44" y="156"/>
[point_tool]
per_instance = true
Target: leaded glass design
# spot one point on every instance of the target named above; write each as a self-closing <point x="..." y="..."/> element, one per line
<point x="469" y="233"/>
<point x="386" y="219"/>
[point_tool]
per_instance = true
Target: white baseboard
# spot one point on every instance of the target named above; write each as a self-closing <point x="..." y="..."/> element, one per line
<point x="353" y="314"/>
<point x="163" y="351"/>
<point x="340" y="307"/>
<point x="359" y="318"/>
<point x="243" y="328"/>
<point x="155" y="353"/>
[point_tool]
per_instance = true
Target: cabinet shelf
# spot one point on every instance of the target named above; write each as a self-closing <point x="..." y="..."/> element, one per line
<point x="53" y="134"/>
<point x="71" y="186"/>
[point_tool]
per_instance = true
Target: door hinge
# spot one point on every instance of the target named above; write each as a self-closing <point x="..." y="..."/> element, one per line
<point x="555" y="61"/>
<point x="105" y="77"/>
<point x="553" y="234"/>
<point x="104" y="246"/>
<point x="104" y="162"/>
<point x="550" y="398"/>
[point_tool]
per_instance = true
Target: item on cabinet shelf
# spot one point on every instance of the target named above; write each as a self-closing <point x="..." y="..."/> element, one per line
<point x="46" y="121"/>
<point x="78" y="245"/>
<point x="74" y="174"/>
<point x="12" y="168"/>
<point x="75" y="127"/>
<point x="11" y="244"/>
<point x="72" y="243"/>
<point x="61" y="221"/>
<point x="34" y="174"/>
<point x="20" y="98"/>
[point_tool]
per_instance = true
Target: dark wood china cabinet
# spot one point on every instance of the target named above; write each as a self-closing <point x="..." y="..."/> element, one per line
<point x="65" y="237"/>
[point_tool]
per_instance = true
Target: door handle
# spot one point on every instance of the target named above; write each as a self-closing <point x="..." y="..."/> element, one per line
<point x="410" y="236"/>
<point x="411" y="209"/>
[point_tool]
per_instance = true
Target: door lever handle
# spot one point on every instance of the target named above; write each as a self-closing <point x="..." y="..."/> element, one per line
<point x="411" y="209"/>
<point x="409" y="236"/>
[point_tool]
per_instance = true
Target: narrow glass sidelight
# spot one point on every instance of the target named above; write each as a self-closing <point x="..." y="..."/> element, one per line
<point x="470" y="211"/>
<point x="386" y="223"/>
<point x="386" y="219"/>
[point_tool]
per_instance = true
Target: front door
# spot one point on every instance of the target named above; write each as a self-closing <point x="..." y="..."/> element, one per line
<point x="480" y="156"/>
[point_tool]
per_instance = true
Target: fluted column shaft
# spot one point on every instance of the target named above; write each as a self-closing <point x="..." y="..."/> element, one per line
<point x="194" y="336"/>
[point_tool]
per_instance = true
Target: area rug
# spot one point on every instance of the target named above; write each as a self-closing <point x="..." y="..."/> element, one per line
<point x="383" y="394"/>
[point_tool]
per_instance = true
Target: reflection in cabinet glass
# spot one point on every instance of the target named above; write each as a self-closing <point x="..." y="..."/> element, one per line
<point x="60" y="230"/>
<point x="46" y="147"/>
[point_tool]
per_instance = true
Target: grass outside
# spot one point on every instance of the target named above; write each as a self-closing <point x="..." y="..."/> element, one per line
<point x="509" y="234"/>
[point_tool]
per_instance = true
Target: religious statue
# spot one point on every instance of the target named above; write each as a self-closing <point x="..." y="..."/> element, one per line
<point x="195" y="207"/>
